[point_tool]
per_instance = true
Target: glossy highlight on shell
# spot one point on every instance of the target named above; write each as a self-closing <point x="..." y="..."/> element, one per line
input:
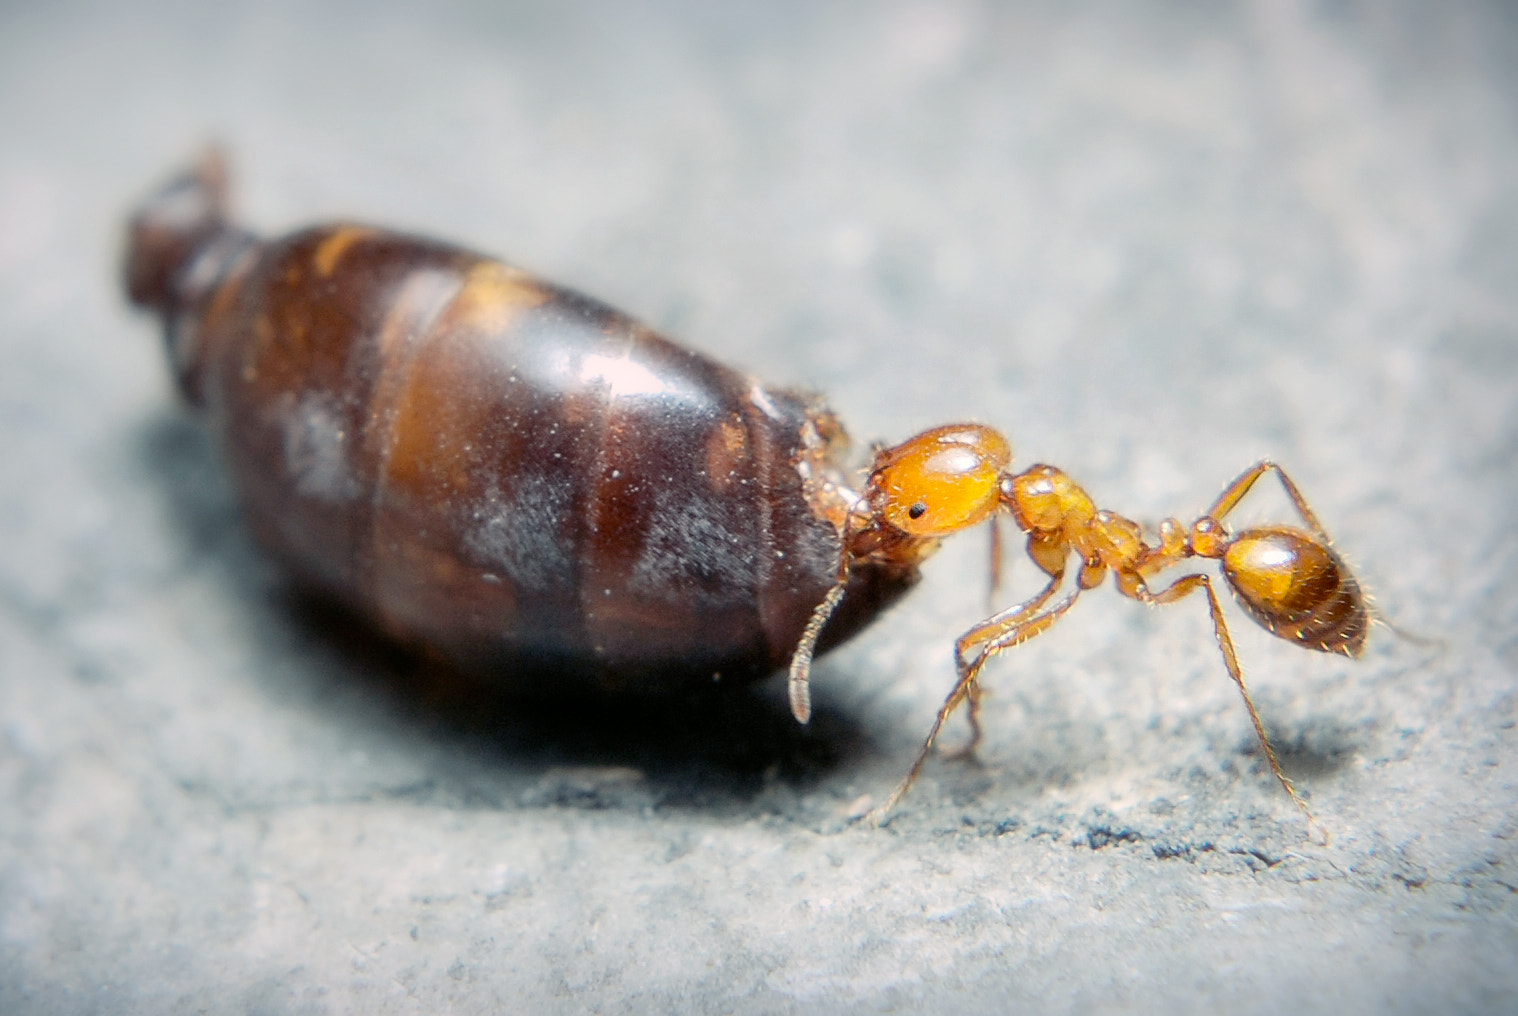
<point x="495" y="468"/>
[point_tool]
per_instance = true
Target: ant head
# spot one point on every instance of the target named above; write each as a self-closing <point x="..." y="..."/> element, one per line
<point x="941" y="481"/>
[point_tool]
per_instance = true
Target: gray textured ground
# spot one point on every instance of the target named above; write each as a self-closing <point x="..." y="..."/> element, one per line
<point x="1152" y="242"/>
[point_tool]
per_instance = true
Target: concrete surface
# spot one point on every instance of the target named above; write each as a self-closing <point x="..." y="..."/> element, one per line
<point x="1152" y="242"/>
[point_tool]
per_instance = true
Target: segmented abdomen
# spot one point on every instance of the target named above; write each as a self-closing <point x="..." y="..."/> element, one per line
<point x="1297" y="588"/>
<point x="505" y="470"/>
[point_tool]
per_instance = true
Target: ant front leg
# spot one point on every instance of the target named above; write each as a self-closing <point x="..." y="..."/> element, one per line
<point x="1183" y="587"/>
<point x="1010" y="628"/>
<point x="975" y="641"/>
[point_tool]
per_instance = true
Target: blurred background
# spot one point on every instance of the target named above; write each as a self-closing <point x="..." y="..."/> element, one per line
<point x="1151" y="242"/>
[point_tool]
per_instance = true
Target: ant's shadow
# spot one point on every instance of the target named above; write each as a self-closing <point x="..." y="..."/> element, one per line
<point x="700" y="749"/>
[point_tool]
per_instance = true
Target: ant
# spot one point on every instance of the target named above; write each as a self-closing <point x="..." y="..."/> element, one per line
<point x="945" y="480"/>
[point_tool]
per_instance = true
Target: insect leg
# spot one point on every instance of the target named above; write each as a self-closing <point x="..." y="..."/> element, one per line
<point x="1013" y="629"/>
<point x="1183" y="587"/>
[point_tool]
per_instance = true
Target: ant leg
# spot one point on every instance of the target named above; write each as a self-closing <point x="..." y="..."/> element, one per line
<point x="994" y="625"/>
<point x="1183" y="587"/>
<point x="1013" y="632"/>
<point x="1235" y="491"/>
<point x="984" y="632"/>
<point x="972" y="698"/>
<point x="996" y="560"/>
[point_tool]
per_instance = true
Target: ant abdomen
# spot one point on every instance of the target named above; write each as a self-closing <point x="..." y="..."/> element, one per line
<point x="1297" y="588"/>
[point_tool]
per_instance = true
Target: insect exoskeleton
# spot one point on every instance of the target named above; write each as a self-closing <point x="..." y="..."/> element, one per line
<point x="496" y="468"/>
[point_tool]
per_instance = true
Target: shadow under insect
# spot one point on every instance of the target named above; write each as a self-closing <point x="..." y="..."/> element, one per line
<point x="699" y="748"/>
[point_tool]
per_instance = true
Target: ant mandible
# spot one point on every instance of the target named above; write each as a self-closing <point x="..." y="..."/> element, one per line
<point x="950" y="478"/>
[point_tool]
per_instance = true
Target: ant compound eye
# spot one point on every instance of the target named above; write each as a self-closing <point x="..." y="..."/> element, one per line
<point x="917" y="511"/>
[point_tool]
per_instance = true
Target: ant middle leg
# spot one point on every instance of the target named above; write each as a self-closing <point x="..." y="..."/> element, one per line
<point x="1183" y="587"/>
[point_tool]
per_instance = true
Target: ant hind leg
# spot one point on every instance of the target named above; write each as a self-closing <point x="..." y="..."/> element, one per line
<point x="1236" y="491"/>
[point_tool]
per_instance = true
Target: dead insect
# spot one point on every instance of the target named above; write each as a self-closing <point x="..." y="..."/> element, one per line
<point x="555" y="497"/>
<point x="498" y="469"/>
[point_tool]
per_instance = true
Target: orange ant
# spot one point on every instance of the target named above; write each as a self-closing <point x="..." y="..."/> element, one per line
<point x="947" y="479"/>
